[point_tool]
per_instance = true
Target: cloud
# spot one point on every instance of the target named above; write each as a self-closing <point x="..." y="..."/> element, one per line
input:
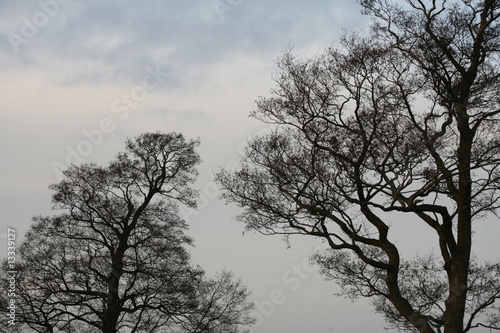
<point x="114" y="41"/>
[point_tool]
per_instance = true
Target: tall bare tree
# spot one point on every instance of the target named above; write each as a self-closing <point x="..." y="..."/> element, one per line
<point x="405" y="121"/>
<point x="115" y="258"/>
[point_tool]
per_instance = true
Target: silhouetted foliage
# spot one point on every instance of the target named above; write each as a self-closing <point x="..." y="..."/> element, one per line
<point x="402" y="122"/>
<point x="115" y="258"/>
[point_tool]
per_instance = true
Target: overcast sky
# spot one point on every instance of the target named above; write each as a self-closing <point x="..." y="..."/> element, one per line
<point x="79" y="77"/>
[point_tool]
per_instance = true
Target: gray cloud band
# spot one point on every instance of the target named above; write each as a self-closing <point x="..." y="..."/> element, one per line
<point x="32" y="26"/>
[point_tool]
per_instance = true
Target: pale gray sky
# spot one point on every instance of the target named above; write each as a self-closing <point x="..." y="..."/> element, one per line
<point x="79" y="77"/>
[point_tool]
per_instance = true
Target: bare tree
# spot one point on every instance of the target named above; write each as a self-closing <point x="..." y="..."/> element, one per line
<point x="115" y="259"/>
<point x="404" y="122"/>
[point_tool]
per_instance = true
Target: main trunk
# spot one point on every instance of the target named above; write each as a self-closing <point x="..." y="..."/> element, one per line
<point x="113" y="307"/>
<point x="455" y="304"/>
<point x="112" y="311"/>
<point x="458" y="270"/>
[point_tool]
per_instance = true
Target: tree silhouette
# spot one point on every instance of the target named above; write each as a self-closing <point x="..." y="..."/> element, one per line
<point x="115" y="258"/>
<point x="402" y="123"/>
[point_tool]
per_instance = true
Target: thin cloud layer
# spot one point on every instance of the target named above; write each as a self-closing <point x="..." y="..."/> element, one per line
<point x="115" y="40"/>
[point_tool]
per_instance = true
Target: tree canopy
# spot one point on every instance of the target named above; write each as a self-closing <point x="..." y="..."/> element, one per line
<point x="115" y="258"/>
<point x="403" y="121"/>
